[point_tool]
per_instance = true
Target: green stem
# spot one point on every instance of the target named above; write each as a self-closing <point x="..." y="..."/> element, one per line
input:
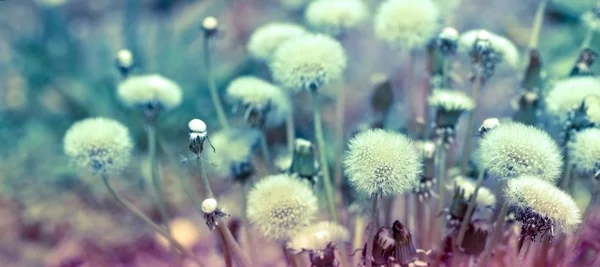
<point x="138" y="213"/>
<point x="208" y="193"/>
<point x="443" y="151"/>
<point x="470" y="126"/>
<point x="265" y="152"/>
<point x="357" y="239"/>
<point x="538" y="21"/>
<point x="290" y="132"/>
<point x="522" y="252"/>
<point x="588" y="38"/>
<point x="246" y="224"/>
<point x="371" y="234"/>
<point x="568" y="175"/>
<point x="495" y="234"/>
<point x="234" y="247"/>
<point x="594" y="201"/>
<point x="212" y="85"/>
<point x="465" y="222"/>
<point x="419" y="227"/>
<point x="290" y="257"/>
<point x="156" y="184"/>
<point x="339" y="144"/>
<point x="322" y="155"/>
<point x="225" y="247"/>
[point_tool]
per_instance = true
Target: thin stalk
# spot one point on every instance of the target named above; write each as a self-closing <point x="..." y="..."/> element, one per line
<point x="322" y="155"/>
<point x="588" y="39"/>
<point x="156" y="184"/>
<point x="226" y="254"/>
<point x="357" y="240"/>
<point x="419" y="229"/>
<point x="463" y="225"/>
<point x="212" y="84"/>
<point x="538" y="21"/>
<point x="470" y="126"/>
<point x="290" y="257"/>
<point x="264" y="146"/>
<point x="543" y="255"/>
<point x="234" y="247"/>
<point x="138" y="213"/>
<point x="408" y="207"/>
<point x="522" y="252"/>
<point x="593" y="202"/>
<point x="441" y="166"/>
<point x="290" y="131"/>
<point x="387" y="205"/>
<point x="246" y="224"/>
<point x="495" y="234"/>
<point x="567" y="176"/>
<point x="339" y="141"/>
<point x="371" y="234"/>
<point x="207" y="189"/>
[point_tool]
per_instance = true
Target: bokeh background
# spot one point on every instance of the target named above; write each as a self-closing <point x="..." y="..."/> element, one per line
<point x="57" y="66"/>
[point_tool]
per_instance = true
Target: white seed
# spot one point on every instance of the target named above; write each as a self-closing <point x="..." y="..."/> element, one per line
<point x="210" y="23"/>
<point x="209" y="205"/>
<point x="197" y="126"/>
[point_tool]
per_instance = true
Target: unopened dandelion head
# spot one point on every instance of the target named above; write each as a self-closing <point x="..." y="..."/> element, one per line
<point x="542" y="207"/>
<point x="233" y="152"/>
<point x="335" y="16"/>
<point x="265" y="40"/>
<point x="319" y="236"/>
<point x="308" y="62"/>
<point x="150" y="92"/>
<point x="100" y="145"/>
<point x="450" y="104"/>
<point x="568" y="94"/>
<point x="514" y="149"/>
<point x="280" y="205"/>
<point x="584" y="151"/>
<point x="263" y="104"/>
<point x="124" y="61"/>
<point x="447" y="41"/>
<point x="406" y="24"/>
<point x="383" y="163"/>
<point x="508" y="52"/>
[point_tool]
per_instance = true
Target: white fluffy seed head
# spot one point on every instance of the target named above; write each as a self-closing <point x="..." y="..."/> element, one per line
<point x="506" y="48"/>
<point x="568" y="94"/>
<point x="308" y="62"/>
<point x="545" y="199"/>
<point x="406" y="24"/>
<point x="281" y="205"/>
<point x="142" y="90"/>
<point x="210" y="23"/>
<point x="250" y="90"/>
<point x="514" y="149"/>
<point x="584" y="151"/>
<point x="232" y="147"/>
<point x="318" y="236"/>
<point x="485" y="197"/>
<point x="451" y="100"/>
<point x="265" y="40"/>
<point x="209" y="205"/>
<point x="383" y="163"/>
<point x="335" y="16"/>
<point x="197" y="126"/>
<point x="100" y="145"/>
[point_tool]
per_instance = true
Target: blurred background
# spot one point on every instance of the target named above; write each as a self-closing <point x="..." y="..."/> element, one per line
<point x="57" y="66"/>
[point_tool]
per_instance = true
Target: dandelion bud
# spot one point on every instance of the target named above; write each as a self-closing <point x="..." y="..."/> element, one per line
<point x="304" y="162"/>
<point x="124" y="61"/>
<point x="197" y="126"/>
<point x="210" y="26"/>
<point x="197" y="135"/>
<point x="394" y="245"/>
<point x="427" y="180"/>
<point x="447" y="41"/>
<point x="488" y="49"/>
<point x="515" y="149"/>
<point x="541" y="207"/>
<point x="449" y="105"/>
<point x="587" y="57"/>
<point x="209" y="205"/>
<point x="488" y="125"/>
<point x="279" y="206"/>
<point x="383" y="163"/>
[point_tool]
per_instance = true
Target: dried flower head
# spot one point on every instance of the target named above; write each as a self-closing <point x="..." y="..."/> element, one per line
<point x="335" y="16"/>
<point x="384" y="163"/>
<point x="233" y="152"/>
<point x="150" y="91"/>
<point x="543" y="208"/>
<point x="485" y="197"/>
<point x="265" y="40"/>
<point x="508" y="51"/>
<point x="319" y="236"/>
<point x="263" y="104"/>
<point x="568" y="94"/>
<point x="450" y="105"/>
<point x="280" y="205"/>
<point x="100" y="145"/>
<point x="406" y="24"/>
<point x="514" y="149"/>
<point x="584" y="151"/>
<point x="308" y="62"/>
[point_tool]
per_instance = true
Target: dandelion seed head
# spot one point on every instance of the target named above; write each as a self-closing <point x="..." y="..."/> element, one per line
<point x="100" y="145"/>
<point x="383" y="163"/>
<point x="232" y="148"/>
<point x="280" y="205"/>
<point x="514" y="149"/>
<point x="265" y="40"/>
<point x="485" y="197"/>
<point x="584" y="151"/>
<point x="262" y="95"/>
<point x="568" y="94"/>
<point x="308" y="62"/>
<point x="335" y="16"/>
<point x="144" y="90"/>
<point x="318" y="236"/>
<point x="209" y="205"/>
<point x="506" y="48"/>
<point x="545" y="199"/>
<point x="197" y="126"/>
<point x="406" y="24"/>
<point x="451" y="100"/>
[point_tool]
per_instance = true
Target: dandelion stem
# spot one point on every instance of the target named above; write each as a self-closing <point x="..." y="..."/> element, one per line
<point x="465" y="222"/>
<point x="567" y="176"/>
<point x="471" y="125"/>
<point x="420" y="230"/>
<point x="339" y="141"/>
<point x="588" y="39"/>
<point x="156" y="184"/>
<point x="212" y="84"/>
<point x="595" y="198"/>
<point x="226" y="254"/>
<point x="322" y="155"/>
<point x="441" y="188"/>
<point x="234" y="247"/>
<point x="522" y="252"/>
<point x="207" y="189"/>
<point x="290" y="132"/>
<point x="246" y="224"/>
<point x="543" y="256"/>
<point x="538" y="21"/>
<point x="371" y="233"/>
<point x="290" y="257"/>
<point x="495" y="234"/>
<point x="264" y="146"/>
<point x="357" y="242"/>
<point x="138" y="213"/>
